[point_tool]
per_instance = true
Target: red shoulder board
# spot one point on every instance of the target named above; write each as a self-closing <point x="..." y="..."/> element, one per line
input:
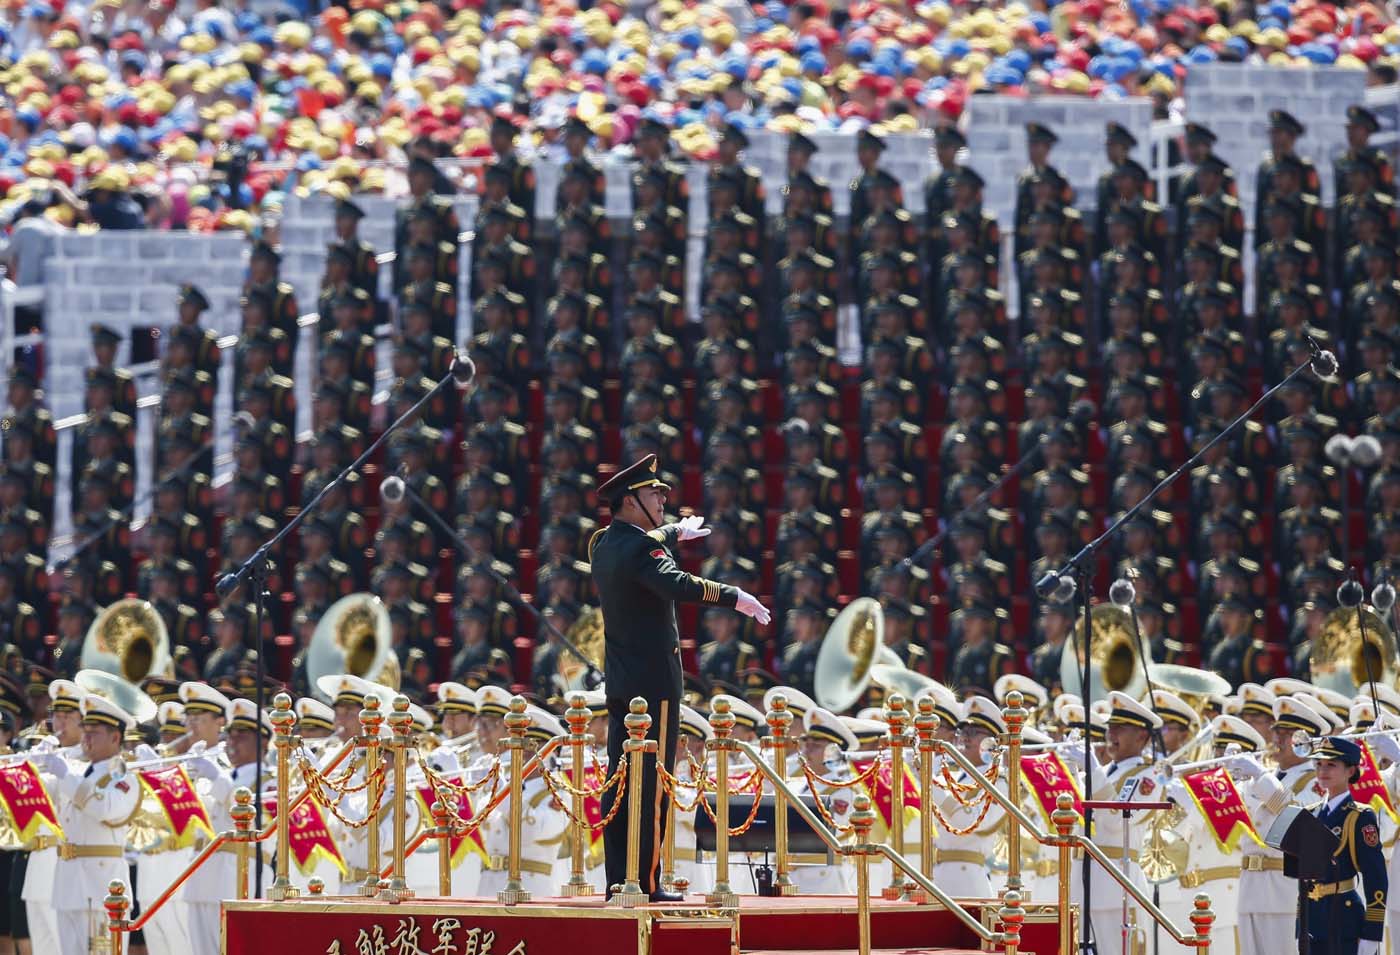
<point x="1372" y="836"/>
<point x="658" y="553"/>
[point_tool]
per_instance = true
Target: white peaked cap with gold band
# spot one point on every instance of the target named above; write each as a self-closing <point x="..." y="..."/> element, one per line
<point x="313" y="714"/>
<point x="1287" y="686"/>
<point x="1256" y="699"/>
<point x="96" y="709"/>
<point x="1362" y="713"/>
<point x="1232" y="729"/>
<point x="1126" y="711"/>
<point x="66" y="695"/>
<point x="492" y="701"/>
<point x="868" y="733"/>
<point x="455" y="698"/>
<point x="822" y="724"/>
<point x="1173" y="709"/>
<point x="1388" y="696"/>
<point x="874" y="713"/>
<point x="203" y="698"/>
<point x="694" y="724"/>
<point x="945" y="704"/>
<point x="799" y="703"/>
<point x="422" y="719"/>
<point x="170" y="717"/>
<point x="1036" y="696"/>
<point x="983" y="714"/>
<point x="1290" y="712"/>
<point x="1063" y="701"/>
<point x="744" y="713"/>
<point x="244" y="716"/>
<point x="1333" y="721"/>
<point x="1033" y="737"/>
<point x="1229" y="705"/>
<point x="544" y="725"/>
<point x="1339" y="704"/>
<point x="346" y="688"/>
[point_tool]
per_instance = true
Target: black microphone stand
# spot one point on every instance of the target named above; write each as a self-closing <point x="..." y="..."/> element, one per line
<point x="512" y="594"/>
<point x="256" y="568"/>
<point x="1083" y="563"/>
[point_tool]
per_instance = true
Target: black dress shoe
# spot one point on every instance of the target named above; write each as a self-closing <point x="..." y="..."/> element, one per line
<point x="662" y="896"/>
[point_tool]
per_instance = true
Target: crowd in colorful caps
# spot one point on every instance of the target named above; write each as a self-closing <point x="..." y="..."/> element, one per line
<point x="819" y="479"/>
<point x="124" y="114"/>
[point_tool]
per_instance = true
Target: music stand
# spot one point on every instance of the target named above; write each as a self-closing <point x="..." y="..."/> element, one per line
<point x="1307" y="846"/>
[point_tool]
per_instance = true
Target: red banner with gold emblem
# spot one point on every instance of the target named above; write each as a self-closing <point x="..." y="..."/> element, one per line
<point x="179" y="803"/>
<point x="1370" y="789"/>
<point x="879" y="785"/>
<point x="308" y="838"/>
<point x="594" y="776"/>
<point x="1047" y="777"/>
<point x="1219" y="802"/>
<point x="461" y="845"/>
<point x="27" y="801"/>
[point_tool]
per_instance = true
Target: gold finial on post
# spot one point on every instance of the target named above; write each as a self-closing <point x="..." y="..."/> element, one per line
<point x="1065" y="819"/>
<point x="897" y="716"/>
<point x="926" y="724"/>
<point x="442" y="830"/>
<point x="862" y="821"/>
<point x="517" y="721"/>
<point x="722" y="722"/>
<point x="1202" y="918"/>
<point x="401" y="722"/>
<point x="371" y="720"/>
<point x="779" y="720"/>
<point x="242" y="814"/>
<point x="116" y="905"/>
<point x="283" y="720"/>
<point x="637" y="722"/>
<point x="577" y="716"/>
<point x="1012" y="916"/>
<point x="1015" y="716"/>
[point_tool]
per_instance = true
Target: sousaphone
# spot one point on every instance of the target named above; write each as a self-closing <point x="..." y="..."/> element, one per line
<point x="587" y="634"/>
<point x="853" y="644"/>
<point x="130" y="640"/>
<point x="1114" y="662"/>
<point x="1340" y="659"/>
<point x="355" y="637"/>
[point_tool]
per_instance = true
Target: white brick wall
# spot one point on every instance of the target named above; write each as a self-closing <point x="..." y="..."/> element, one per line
<point x="996" y="141"/>
<point x="1235" y="100"/>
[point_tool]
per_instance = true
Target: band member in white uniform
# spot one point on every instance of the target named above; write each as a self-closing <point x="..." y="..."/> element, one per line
<point x="825" y="743"/>
<point x="962" y="858"/>
<point x="65" y="713"/>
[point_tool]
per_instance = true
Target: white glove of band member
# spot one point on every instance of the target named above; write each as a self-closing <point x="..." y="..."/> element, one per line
<point x="1385" y="747"/>
<point x="51" y="763"/>
<point x="144" y="752"/>
<point x="689" y="528"/>
<point x="749" y="606"/>
<point x="1367" y="947"/>
<point x="1246" y="767"/>
<point x="201" y="767"/>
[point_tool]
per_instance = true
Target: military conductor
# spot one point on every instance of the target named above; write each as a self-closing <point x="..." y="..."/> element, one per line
<point x="639" y="583"/>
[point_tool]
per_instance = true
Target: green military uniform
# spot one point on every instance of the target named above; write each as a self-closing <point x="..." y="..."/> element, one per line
<point x="638" y="584"/>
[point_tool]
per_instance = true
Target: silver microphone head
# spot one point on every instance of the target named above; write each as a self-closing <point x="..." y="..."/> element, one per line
<point x="1122" y="593"/>
<point x="1339" y="449"/>
<point x="1383" y="596"/>
<point x="1324" y="364"/>
<point x="1365" y="451"/>
<point x="1064" y="590"/>
<point x="392" y="489"/>
<point x="463" y="371"/>
<point x="1350" y="594"/>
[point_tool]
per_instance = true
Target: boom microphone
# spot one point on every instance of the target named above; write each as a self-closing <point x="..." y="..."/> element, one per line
<point x="392" y="489"/>
<point x="463" y="371"/>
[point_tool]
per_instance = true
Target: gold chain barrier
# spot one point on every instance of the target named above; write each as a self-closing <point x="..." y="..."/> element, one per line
<point x="283" y="721"/>
<point x="517" y="722"/>
<point x="779" y="720"/>
<point x="722" y="723"/>
<point x="897" y="718"/>
<point x="577" y="716"/>
<point x="401" y="722"/>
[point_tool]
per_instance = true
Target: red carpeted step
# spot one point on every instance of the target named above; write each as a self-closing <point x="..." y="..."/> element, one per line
<point x="851" y="951"/>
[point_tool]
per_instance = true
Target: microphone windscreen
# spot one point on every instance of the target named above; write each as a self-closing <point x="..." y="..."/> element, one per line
<point x="463" y="370"/>
<point x="392" y="489"/>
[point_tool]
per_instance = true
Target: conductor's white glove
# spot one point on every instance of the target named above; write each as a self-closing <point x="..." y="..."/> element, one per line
<point x="1367" y="947"/>
<point x="689" y="528"/>
<point x="749" y="606"/>
<point x="51" y="763"/>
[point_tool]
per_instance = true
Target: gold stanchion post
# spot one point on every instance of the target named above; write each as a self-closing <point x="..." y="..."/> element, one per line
<point x="779" y="720"/>
<point x="370" y="722"/>
<point x="722" y="722"/>
<point x="1065" y="818"/>
<point x="116" y="905"/>
<point x="862" y="821"/>
<point x="577" y="717"/>
<point x="1012" y="916"/>
<point x="517" y="721"/>
<point x="283" y="720"/>
<point x="242" y="815"/>
<point x="442" y="829"/>
<point x="897" y="716"/>
<point x="1015" y="716"/>
<point x="401" y="722"/>
<point x="637" y="745"/>
<point x="1202" y="918"/>
<point x="925" y="727"/>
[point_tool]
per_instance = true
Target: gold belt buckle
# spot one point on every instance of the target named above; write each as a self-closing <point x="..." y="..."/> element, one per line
<point x="67" y="851"/>
<point x="1315" y="894"/>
